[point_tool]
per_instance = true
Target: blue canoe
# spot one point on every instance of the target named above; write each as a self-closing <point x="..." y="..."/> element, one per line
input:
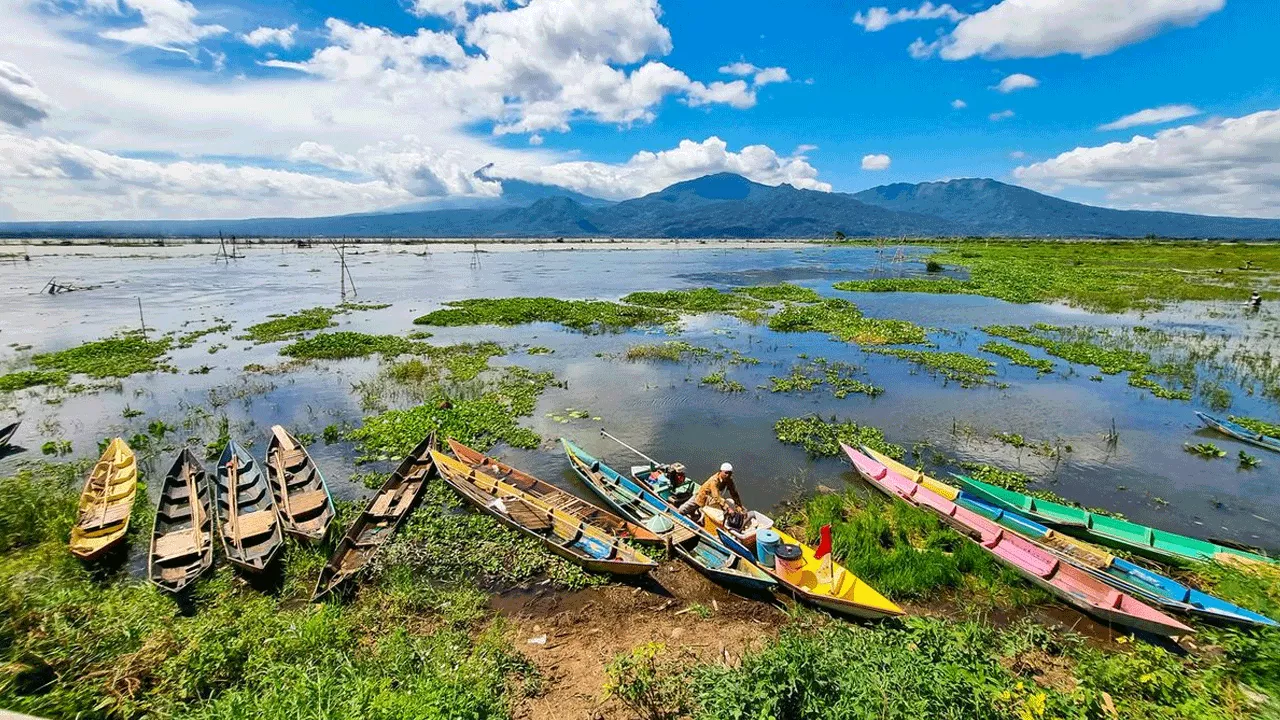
<point x="686" y="537"/>
<point x="1118" y="572"/>
<point x="1239" y="432"/>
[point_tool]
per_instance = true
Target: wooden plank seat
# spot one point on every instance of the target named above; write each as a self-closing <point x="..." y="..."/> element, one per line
<point x="530" y="517"/>
<point x="303" y="503"/>
<point x="253" y="524"/>
<point x="97" y="519"/>
<point x="176" y="544"/>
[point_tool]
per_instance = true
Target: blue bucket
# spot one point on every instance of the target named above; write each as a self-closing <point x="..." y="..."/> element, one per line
<point x="766" y="546"/>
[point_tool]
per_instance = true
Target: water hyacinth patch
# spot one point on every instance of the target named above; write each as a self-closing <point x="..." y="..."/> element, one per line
<point x="821" y="437"/>
<point x="967" y="370"/>
<point x="285" y="327"/>
<point x="1017" y="356"/>
<point x="115" y="357"/>
<point x="844" y="321"/>
<point x="701" y="300"/>
<point x="589" y="316"/>
<point x="781" y="292"/>
<point x="345" y="344"/>
<point x="23" y="379"/>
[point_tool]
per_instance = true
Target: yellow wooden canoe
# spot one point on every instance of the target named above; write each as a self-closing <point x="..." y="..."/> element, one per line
<point x="105" y="502"/>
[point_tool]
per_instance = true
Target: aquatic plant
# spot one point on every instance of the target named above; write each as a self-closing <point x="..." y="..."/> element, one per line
<point x="669" y="351"/>
<point x="1100" y="276"/>
<point x="23" y="379"/>
<point x="1205" y="450"/>
<point x="1247" y="461"/>
<point x="839" y="376"/>
<point x="590" y="316"/>
<point x="1262" y="427"/>
<point x="718" y="381"/>
<point x="539" y="350"/>
<point x="359" y="306"/>
<point x="781" y="292"/>
<point x="56" y="447"/>
<point x="701" y="300"/>
<point x="284" y="327"/>
<point x="189" y="339"/>
<point x="1017" y="356"/>
<point x="844" y="321"/>
<point x="115" y="357"/>
<point x="965" y="369"/>
<point x="1084" y="352"/>
<point x="821" y="437"/>
<point x="346" y="344"/>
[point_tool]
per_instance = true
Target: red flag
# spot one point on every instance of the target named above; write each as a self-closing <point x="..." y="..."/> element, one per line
<point x="824" y="545"/>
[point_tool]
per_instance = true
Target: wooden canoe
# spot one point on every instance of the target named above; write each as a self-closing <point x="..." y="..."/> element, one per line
<point x="1044" y="569"/>
<point x="105" y="502"/>
<point x="564" y="534"/>
<point x="1237" y="431"/>
<point x="1117" y="572"/>
<point x="1159" y="545"/>
<point x="552" y="495"/>
<point x="301" y="494"/>
<point x="247" y="518"/>
<point x="182" y="536"/>
<point x="686" y="537"/>
<point x="378" y="521"/>
<point x="6" y="432"/>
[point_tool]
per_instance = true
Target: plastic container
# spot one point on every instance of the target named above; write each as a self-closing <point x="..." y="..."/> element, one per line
<point x="766" y="545"/>
<point x="789" y="562"/>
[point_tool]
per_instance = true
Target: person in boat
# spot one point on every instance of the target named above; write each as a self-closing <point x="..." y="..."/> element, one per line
<point x="712" y="492"/>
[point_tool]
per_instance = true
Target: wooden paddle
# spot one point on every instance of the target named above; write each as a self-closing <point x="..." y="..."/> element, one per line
<point x="194" y="498"/>
<point x="284" y="485"/>
<point x="233" y="497"/>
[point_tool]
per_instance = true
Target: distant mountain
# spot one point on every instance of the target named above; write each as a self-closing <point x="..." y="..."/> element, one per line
<point x="988" y="207"/>
<point x="515" y="193"/>
<point x="722" y="205"/>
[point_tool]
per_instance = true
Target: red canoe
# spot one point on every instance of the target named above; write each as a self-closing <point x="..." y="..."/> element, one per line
<point x="1041" y="567"/>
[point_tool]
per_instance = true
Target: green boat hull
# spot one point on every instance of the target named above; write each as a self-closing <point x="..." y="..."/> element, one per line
<point x="1146" y="541"/>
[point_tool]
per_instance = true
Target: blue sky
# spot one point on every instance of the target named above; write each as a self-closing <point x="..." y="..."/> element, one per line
<point x="204" y="108"/>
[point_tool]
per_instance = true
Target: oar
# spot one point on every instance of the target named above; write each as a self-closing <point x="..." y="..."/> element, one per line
<point x="637" y="452"/>
<point x="284" y="485"/>
<point x="233" y="482"/>
<point x="194" y="499"/>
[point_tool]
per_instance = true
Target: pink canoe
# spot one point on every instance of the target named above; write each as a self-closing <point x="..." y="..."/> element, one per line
<point x="1041" y="567"/>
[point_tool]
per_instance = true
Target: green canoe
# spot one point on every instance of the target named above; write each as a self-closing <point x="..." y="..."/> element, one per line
<point x="1156" y="544"/>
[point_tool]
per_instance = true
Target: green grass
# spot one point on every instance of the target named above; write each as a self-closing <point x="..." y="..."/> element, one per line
<point x="290" y="326"/>
<point x="1099" y="276"/>
<point x="24" y="379"/>
<point x="590" y="316"/>
<point x="115" y="357"/>
<point x="965" y="369"/>
<point x="1017" y="356"/>
<point x="345" y="344"/>
<point x="823" y="437"/>
<point x="781" y="292"/>
<point x="844" y="321"/>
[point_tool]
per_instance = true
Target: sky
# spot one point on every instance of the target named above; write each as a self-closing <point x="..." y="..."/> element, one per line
<point x="136" y="109"/>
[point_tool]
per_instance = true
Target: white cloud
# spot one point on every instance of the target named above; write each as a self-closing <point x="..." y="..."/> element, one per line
<point x="648" y="172"/>
<point x="920" y="50"/>
<point x="407" y="164"/>
<point x="770" y="75"/>
<point x="740" y="68"/>
<point x="878" y="18"/>
<point x="1152" y="116"/>
<point x="1016" y="82"/>
<point x="21" y="102"/>
<point x="166" y="24"/>
<point x="1002" y="115"/>
<point x="535" y="139"/>
<point x="454" y="9"/>
<point x="1041" y="28"/>
<point x="1229" y="166"/>
<point x="270" y="36"/>
<point x="875" y="162"/>
<point x="1017" y="155"/>
<point x="959" y="104"/>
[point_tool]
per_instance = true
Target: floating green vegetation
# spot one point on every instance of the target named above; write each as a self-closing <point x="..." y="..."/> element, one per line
<point x="189" y="339"/>
<point x="718" y="381"/>
<point x="1262" y="427"/>
<point x="965" y="369"/>
<point x="701" y="300"/>
<point x="480" y="416"/>
<point x="1205" y="450"/>
<point x="781" y="292"/>
<point x="1017" y="356"/>
<point x="464" y="361"/>
<point x="1247" y="461"/>
<point x="539" y="350"/>
<point x="285" y="327"/>
<point x="823" y="437"/>
<point x="114" y="357"/>
<point x="1084" y="351"/>
<point x="24" y="379"/>
<point x="56" y="447"/>
<point x="590" y="316"/>
<point x="838" y="376"/>
<point x="1101" y="276"/>
<point x="843" y="320"/>
<point x="1143" y="382"/>
<point x="76" y="643"/>
<point x="359" y="306"/>
<point x="669" y="351"/>
<point x="571" y="414"/>
<point x="907" y="553"/>
<point x="346" y="344"/>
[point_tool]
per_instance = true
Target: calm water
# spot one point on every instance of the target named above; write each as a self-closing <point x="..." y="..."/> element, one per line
<point x="659" y="408"/>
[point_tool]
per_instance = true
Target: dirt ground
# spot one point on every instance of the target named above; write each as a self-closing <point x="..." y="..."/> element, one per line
<point x="583" y="631"/>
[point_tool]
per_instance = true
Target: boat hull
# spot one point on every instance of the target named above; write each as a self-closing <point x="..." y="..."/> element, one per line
<point x="182" y="533"/>
<point x="1237" y="431"/>
<point x="247" y="519"/>
<point x="301" y="494"/>
<point x="106" y="502"/>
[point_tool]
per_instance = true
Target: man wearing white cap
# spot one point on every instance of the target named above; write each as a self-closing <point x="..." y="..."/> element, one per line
<point x="713" y="490"/>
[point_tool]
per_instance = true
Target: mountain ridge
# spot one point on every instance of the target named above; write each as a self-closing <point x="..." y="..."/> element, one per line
<point x="717" y="205"/>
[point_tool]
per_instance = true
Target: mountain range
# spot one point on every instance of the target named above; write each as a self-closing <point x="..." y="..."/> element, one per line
<point x="722" y="206"/>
